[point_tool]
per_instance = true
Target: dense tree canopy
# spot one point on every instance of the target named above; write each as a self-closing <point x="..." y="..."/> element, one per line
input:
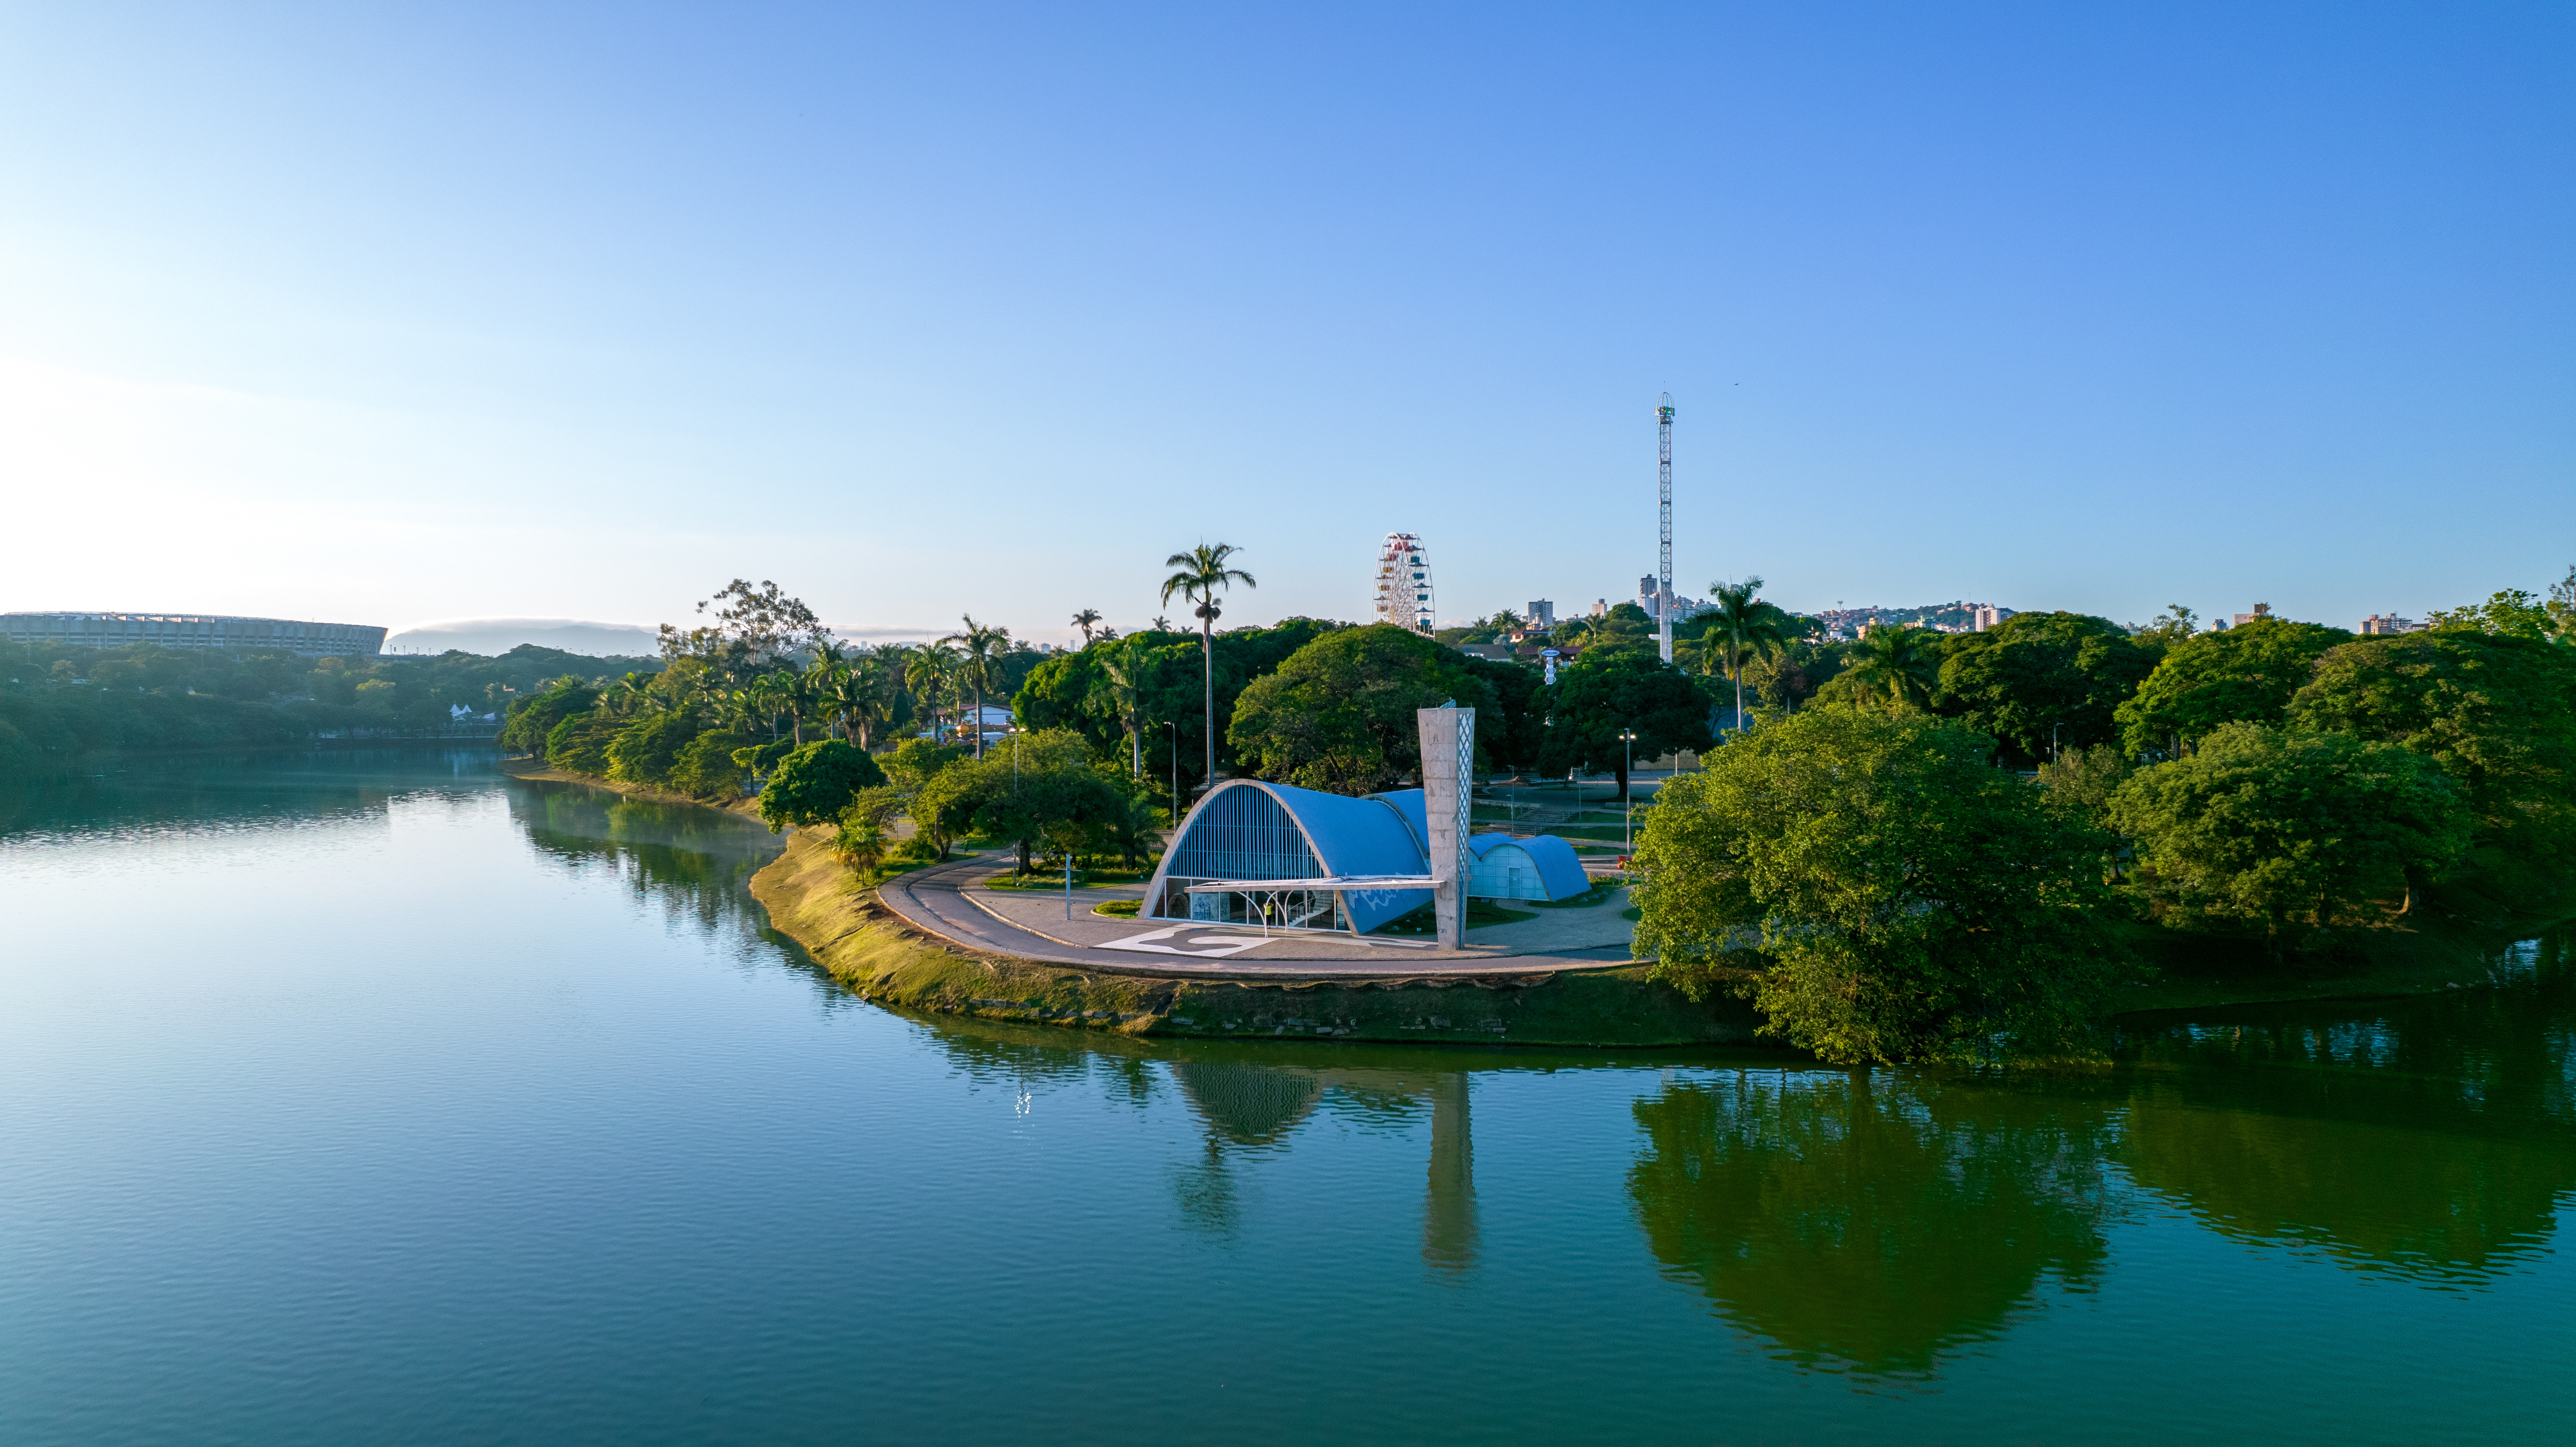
<point x="2496" y="711"/>
<point x="1339" y="713"/>
<point x="2277" y="826"/>
<point x="533" y="719"/>
<point x="2244" y="674"/>
<point x="1069" y="691"/>
<point x="1912" y="900"/>
<point x="58" y="703"/>
<point x="1608" y="691"/>
<point x="2038" y="679"/>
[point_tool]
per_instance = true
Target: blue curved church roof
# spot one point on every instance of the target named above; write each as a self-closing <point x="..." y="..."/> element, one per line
<point x="1354" y="836"/>
<point x="1225" y="837"/>
<point x="1408" y="802"/>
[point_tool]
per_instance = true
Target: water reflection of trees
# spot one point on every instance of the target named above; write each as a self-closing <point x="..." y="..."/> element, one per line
<point x="225" y="793"/>
<point x="2431" y="1137"/>
<point x="695" y="862"/>
<point x="1870" y="1222"/>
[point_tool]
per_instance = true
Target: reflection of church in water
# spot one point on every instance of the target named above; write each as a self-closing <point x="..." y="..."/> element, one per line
<point x="1257" y="1107"/>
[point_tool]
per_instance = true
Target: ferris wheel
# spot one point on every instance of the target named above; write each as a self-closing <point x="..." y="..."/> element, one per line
<point x="1404" y="584"/>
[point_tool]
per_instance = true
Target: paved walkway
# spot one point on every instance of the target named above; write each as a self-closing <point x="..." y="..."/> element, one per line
<point x="951" y="902"/>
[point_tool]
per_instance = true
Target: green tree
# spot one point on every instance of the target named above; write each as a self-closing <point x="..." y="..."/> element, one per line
<point x="1123" y="670"/>
<point x="533" y="718"/>
<point x="930" y="672"/>
<point x="914" y="761"/>
<point x="1339" y="713"/>
<point x="1511" y="725"/>
<point x="1893" y="666"/>
<point x="579" y="744"/>
<point x="755" y="628"/>
<point x="2496" y="710"/>
<point x="1200" y="574"/>
<point x="2040" y="681"/>
<point x="2168" y="628"/>
<point x="815" y="782"/>
<point x="2078" y="783"/>
<point x="2512" y="611"/>
<point x="859" y="838"/>
<point x="2244" y="674"/>
<point x="2280" y="827"/>
<point x="1913" y="901"/>
<point x="980" y="651"/>
<point x="1741" y="628"/>
<point x="1086" y="619"/>
<point x="1797" y="673"/>
<point x="1607" y="692"/>
<point x="646" y="747"/>
<point x="1043" y="789"/>
<point x="705" y="768"/>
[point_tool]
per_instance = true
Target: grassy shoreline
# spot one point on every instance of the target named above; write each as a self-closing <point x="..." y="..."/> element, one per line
<point x="812" y="900"/>
<point x="842" y="928"/>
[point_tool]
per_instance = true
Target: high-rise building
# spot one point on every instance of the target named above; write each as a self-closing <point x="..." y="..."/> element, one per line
<point x="1541" y="613"/>
<point x="2389" y="623"/>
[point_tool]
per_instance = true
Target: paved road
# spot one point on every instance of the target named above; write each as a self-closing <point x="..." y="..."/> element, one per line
<point x="943" y="900"/>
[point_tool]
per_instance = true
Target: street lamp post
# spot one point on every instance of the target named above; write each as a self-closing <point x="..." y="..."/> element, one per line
<point x="1627" y="797"/>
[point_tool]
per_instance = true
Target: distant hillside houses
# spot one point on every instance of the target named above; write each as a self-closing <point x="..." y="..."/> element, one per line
<point x="1844" y="624"/>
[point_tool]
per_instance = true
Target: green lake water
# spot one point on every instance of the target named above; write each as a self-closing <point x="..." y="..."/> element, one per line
<point x="371" y="1097"/>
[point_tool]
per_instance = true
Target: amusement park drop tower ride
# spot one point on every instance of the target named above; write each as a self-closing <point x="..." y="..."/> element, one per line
<point x="1664" y="523"/>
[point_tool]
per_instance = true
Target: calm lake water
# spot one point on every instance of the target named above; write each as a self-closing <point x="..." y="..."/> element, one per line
<point x="371" y="1097"/>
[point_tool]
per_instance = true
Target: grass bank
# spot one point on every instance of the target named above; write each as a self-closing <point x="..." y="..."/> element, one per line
<point x="533" y="768"/>
<point x="814" y="901"/>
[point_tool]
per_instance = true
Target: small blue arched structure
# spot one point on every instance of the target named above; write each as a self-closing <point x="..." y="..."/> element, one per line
<point x="1254" y="852"/>
<point x="1524" y="866"/>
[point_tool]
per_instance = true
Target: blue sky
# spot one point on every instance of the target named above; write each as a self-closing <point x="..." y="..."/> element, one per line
<point x="391" y="315"/>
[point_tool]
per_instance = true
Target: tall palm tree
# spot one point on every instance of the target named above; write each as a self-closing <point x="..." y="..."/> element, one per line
<point x="1084" y="620"/>
<point x="1900" y="662"/>
<point x="1202" y="571"/>
<point x="1122" y="673"/>
<point x="980" y="652"/>
<point x="1744" y="628"/>
<point x="929" y="673"/>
